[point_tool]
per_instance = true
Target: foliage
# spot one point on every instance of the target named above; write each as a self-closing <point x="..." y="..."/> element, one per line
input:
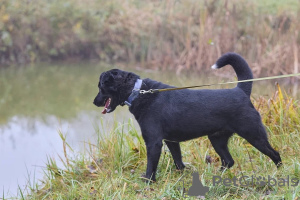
<point x="178" y="35"/>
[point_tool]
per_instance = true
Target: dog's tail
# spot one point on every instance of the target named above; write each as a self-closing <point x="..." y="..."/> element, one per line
<point x="240" y="67"/>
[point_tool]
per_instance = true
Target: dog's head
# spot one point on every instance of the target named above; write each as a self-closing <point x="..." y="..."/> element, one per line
<point x="115" y="86"/>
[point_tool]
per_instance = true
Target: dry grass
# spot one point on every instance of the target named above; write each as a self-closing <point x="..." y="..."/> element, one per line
<point x="176" y="35"/>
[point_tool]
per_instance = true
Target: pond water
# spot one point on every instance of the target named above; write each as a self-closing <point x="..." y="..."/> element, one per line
<point x="37" y="102"/>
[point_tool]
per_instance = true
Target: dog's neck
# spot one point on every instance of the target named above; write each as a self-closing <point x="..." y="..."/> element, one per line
<point x="135" y="92"/>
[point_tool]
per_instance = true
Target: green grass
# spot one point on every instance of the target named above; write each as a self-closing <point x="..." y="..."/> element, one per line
<point x="112" y="168"/>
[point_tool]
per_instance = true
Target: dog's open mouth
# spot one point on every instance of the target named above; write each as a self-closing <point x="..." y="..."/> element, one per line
<point x="107" y="108"/>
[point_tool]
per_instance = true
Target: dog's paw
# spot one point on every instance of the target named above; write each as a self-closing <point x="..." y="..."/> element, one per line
<point x="222" y="169"/>
<point x="180" y="167"/>
<point x="279" y="165"/>
<point x="146" y="179"/>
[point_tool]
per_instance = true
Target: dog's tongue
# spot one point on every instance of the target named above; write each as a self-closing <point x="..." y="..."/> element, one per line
<point x="106" y="105"/>
<point x="104" y="111"/>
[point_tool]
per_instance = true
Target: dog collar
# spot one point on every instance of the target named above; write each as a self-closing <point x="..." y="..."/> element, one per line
<point x="135" y="92"/>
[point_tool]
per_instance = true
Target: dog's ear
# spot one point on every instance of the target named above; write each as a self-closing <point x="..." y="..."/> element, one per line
<point x="131" y="77"/>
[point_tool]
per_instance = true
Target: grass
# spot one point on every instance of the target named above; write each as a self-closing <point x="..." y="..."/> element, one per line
<point x="112" y="168"/>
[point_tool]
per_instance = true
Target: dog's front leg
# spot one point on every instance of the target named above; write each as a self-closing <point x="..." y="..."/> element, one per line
<point x="153" y="154"/>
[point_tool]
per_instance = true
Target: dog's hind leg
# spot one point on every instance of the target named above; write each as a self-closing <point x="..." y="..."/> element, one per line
<point x="174" y="148"/>
<point x="219" y="141"/>
<point x="257" y="137"/>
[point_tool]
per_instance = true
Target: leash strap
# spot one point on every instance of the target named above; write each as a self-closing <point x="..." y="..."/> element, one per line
<point x="152" y="91"/>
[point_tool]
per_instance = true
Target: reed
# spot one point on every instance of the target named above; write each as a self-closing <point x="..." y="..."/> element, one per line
<point x="176" y="35"/>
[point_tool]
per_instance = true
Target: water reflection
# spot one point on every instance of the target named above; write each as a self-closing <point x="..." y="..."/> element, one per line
<point x="38" y="101"/>
<point x="26" y="143"/>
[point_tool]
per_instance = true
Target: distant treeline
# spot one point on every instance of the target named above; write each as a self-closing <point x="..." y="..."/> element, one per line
<point x="156" y="34"/>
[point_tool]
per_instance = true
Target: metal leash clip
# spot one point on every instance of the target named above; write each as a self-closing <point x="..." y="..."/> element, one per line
<point x="149" y="91"/>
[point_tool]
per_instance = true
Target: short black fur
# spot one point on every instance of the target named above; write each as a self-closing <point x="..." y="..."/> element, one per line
<point x="180" y="115"/>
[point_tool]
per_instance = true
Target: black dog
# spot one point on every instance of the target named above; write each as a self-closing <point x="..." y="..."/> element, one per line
<point x="180" y="115"/>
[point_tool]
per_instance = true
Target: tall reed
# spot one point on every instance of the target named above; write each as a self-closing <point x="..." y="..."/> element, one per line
<point x="176" y="35"/>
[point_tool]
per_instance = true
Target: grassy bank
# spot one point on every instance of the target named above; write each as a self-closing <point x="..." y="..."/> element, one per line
<point x="112" y="168"/>
<point x="176" y="35"/>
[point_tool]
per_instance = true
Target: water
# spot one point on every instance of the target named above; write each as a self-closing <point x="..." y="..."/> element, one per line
<point x="37" y="102"/>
